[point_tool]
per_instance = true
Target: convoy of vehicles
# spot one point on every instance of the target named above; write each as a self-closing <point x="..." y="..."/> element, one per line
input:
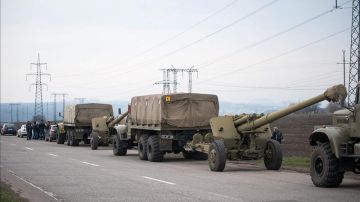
<point x="188" y="123"/>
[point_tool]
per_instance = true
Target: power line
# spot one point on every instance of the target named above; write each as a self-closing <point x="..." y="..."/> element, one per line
<point x="194" y="42"/>
<point x="270" y="37"/>
<point x="278" y="56"/>
<point x="162" y="43"/>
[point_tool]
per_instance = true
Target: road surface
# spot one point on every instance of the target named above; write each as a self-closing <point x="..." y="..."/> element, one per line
<point x="43" y="171"/>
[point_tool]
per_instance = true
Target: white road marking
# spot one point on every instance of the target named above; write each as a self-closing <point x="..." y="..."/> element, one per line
<point x="52" y="195"/>
<point x="150" y="178"/>
<point x="84" y="162"/>
<point x="13" y="144"/>
<point x="29" y="148"/>
<point x="52" y="154"/>
<point x="225" y="196"/>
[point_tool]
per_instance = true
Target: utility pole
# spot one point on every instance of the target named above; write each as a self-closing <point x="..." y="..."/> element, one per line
<point x="39" y="112"/>
<point x="17" y="112"/>
<point x="54" y="106"/>
<point x="344" y="63"/>
<point x="182" y="70"/>
<point x="354" y="74"/>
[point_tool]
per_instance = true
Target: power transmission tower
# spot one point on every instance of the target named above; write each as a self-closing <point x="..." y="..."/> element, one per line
<point x="354" y="74"/>
<point x="80" y="99"/>
<point x="17" y="112"/>
<point x="182" y="70"/>
<point x="63" y="100"/>
<point x="39" y="111"/>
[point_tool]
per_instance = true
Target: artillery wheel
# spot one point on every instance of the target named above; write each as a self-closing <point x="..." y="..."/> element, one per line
<point x="153" y="149"/>
<point x="273" y="155"/>
<point x="217" y="156"/>
<point x="324" y="169"/>
<point x="142" y="145"/>
<point x="94" y="142"/>
<point x="119" y="146"/>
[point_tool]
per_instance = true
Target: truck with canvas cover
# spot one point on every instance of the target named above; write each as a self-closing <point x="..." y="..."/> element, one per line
<point x="248" y="136"/>
<point x="77" y="121"/>
<point x="337" y="147"/>
<point x="159" y="124"/>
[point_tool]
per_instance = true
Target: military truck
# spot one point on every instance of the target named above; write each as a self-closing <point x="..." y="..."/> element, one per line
<point x="248" y="136"/>
<point x="103" y="128"/>
<point x="337" y="147"/>
<point x="77" y="121"/>
<point x="159" y="124"/>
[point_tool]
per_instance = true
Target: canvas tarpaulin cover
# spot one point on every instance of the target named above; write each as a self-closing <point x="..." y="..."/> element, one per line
<point x="83" y="113"/>
<point x="178" y="110"/>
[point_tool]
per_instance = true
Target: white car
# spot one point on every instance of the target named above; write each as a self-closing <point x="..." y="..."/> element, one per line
<point x="22" y="131"/>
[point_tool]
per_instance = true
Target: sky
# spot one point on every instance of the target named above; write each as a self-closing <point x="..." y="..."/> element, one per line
<point x="245" y="51"/>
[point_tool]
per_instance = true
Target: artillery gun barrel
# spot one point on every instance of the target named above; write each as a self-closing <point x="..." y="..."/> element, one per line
<point x="333" y="94"/>
<point x="117" y="120"/>
<point x="244" y="119"/>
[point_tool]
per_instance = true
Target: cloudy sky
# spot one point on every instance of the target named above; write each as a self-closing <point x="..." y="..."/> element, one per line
<point x="245" y="50"/>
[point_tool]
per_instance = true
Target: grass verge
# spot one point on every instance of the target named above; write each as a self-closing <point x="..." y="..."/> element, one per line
<point x="8" y="195"/>
<point x="296" y="161"/>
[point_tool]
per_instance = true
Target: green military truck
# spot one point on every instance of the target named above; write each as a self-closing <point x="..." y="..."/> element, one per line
<point x="159" y="124"/>
<point x="77" y="121"/>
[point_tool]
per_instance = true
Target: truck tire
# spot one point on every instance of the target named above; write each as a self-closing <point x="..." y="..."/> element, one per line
<point x="60" y="139"/>
<point x="68" y="138"/>
<point x="325" y="168"/>
<point x="94" y="142"/>
<point x="73" y="141"/>
<point x="119" y="146"/>
<point x="142" y="145"/>
<point x="153" y="149"/>
<point x="217" y="156"/>
<point x="273" y="155"/>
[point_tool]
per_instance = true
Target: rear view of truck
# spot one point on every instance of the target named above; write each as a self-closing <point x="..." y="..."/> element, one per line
<point x="159" y="124"/>
<point x="77" y="121"/>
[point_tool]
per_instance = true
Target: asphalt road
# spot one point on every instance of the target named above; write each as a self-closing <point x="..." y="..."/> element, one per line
<point x="43" y="171"/>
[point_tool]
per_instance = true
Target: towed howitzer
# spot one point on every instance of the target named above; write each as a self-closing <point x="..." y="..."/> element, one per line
<point x="103" y="129"/>
<point x="248" y="136"/>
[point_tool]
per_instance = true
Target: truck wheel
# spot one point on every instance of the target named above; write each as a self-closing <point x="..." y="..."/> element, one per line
<point x="273" y="155"/>
<point x="60" y="139"/>
<point x="94" y="142"/>
<point x="73" y="140"/>
<point x="142" y="145"/>
<point x="153" y="149"/>
<point x="217" y="156"/>
<point x="119" y="146"/>
<point x="324" y="169"/>
<point x="68" y="138"/>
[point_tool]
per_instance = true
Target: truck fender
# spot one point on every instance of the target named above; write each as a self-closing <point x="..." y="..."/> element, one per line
<point x="334" y="135"/>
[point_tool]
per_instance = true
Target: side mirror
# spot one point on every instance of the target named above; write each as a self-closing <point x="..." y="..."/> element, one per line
<point x="59" y="113"/>
<point x="119" y="111"/>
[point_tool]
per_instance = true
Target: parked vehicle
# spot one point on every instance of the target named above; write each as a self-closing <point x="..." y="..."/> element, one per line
<point x="77" y="121"/>
<point x="22" y="131"/>
<point x="52" y="133"/>
<point x="8" y="128"/>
